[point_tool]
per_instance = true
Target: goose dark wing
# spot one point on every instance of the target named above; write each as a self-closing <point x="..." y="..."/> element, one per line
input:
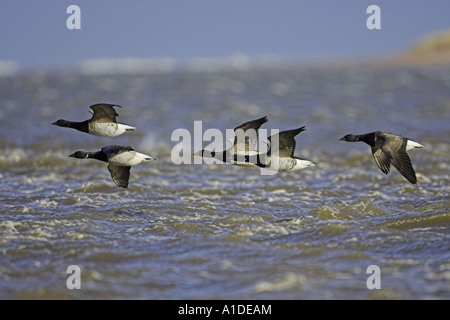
<point x="104" y="112"/>
<point x="394" y="148"/>
<point x="382" y="160"/>
<point x="113" y="150"/>
<point x="120" y="175"/>
<point x="286" y="142"/>
<point x="246" y="136"/>
<point x="402" y="163"/>
<point x="400" y="159"/>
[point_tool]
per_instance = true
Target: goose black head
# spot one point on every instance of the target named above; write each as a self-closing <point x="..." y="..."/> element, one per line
<point x="349" y="138"/>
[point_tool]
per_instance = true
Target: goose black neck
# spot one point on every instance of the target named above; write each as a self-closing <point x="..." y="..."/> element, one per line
<point x="99" y="155"/>
<point x="368" y="138"/>
<point x="81" y="126"/>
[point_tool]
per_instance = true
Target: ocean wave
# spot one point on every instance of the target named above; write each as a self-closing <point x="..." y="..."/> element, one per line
<point x="438" y="218"/>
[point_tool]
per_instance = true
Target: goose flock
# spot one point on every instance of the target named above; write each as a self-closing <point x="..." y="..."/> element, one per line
<point x="103" y="123"/>
<point x="387" y="148"/>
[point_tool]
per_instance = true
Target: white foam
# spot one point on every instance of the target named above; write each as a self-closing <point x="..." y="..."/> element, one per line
<point x="127" y="65"/>
<point x="13" y="155"/>
<point x="44" y="203"/>
<point x="8" y="68"/>
<point x="289" y="280"/>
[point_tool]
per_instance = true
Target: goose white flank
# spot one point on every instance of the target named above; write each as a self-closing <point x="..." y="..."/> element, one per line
<point x="102" y="123"/>
<point x="120" y="159"/>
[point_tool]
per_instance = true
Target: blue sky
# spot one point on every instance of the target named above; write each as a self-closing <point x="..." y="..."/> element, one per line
<point x="34" y="33"/>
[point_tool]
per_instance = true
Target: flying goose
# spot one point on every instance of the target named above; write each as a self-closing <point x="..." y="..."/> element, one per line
<point x="389" y="148"/>
<point x="103" y="122"/>
<point x="120" y="159"/>
<point x="280" y="157"/>
<point x="245" y="143"/>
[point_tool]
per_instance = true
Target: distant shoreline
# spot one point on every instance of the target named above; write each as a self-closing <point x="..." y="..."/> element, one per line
<point x="432" y="49"/>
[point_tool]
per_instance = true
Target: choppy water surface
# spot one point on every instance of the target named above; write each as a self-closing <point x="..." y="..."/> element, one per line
<point x="225" y="232"/>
